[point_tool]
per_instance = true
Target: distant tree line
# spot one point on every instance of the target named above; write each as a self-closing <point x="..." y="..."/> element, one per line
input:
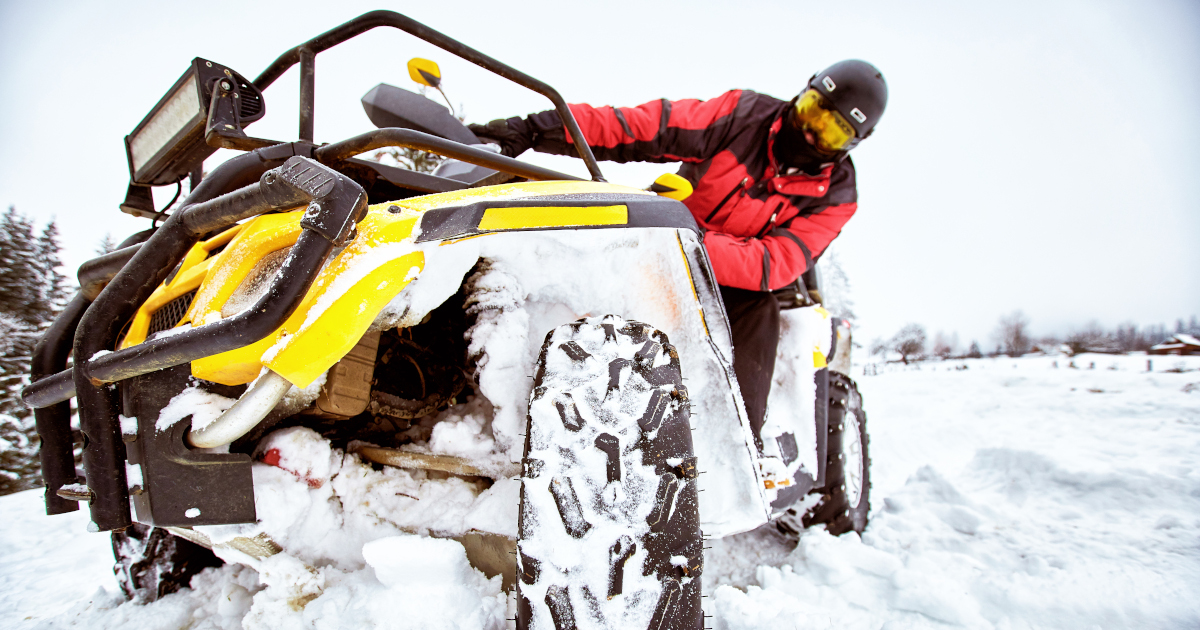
<point x="1013" y="338"/>
<point x="32" y="292"/>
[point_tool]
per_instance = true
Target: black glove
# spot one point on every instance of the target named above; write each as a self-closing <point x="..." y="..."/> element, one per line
<point x="515" y="135"/>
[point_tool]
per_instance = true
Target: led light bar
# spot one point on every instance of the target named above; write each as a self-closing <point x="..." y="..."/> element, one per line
<point x="169" y="143"/>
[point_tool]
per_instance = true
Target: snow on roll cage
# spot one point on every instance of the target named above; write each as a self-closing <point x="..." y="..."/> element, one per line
<point x="270" y="176"/>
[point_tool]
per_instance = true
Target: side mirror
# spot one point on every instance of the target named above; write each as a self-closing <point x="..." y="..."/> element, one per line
<point x="425" y="72"/>
<point x="672" y="186"/>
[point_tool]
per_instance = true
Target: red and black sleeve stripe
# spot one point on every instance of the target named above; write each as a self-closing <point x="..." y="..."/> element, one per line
<point x="687" y="130"/>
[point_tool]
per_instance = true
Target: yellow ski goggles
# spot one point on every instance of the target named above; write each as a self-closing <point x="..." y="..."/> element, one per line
<point x="815" y="114"/>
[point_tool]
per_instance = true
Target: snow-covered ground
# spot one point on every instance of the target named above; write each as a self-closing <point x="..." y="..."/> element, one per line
<point x="1008" y="493"/>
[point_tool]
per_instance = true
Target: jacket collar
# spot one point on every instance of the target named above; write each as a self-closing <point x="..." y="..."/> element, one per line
<point x="801" y="183"/>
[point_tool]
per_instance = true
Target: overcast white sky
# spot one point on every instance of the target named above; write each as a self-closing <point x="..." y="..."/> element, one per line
<point x="1034" y="155"/>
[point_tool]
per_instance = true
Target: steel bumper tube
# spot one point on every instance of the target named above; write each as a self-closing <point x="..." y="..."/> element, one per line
<point x="53" y="422"/>
<point x="336" y="203"/>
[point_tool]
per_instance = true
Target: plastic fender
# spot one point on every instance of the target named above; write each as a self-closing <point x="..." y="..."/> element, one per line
<point x="308" y="344"/>
<point x="330" y="332"/>
<point x="349" y="294"/>
<point x="793" y="428"/>
<point x="261" y="236"/>
<point x="365" y="276"/>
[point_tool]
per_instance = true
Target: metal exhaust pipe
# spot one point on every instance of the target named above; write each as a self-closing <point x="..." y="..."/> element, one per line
<point x="244" y="415"/>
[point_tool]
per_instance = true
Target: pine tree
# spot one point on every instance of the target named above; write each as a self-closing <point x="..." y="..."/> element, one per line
<point x="106" y="245"/>
<point x="19" y="286"/>
<point x="32" y="292"/>
<point x="55" y="286"/>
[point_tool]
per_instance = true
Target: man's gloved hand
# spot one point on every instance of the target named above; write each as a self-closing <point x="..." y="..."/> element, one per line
<point x="515" y="135"/>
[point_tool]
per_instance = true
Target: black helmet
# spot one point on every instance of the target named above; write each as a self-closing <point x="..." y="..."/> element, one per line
<point x="858" y="92"/>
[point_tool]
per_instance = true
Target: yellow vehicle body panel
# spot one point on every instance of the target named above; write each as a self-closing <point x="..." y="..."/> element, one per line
<point x="310" y="342"/>
<point x="513" y="191"/>
<point x="330" y="327"/>
<point x="354" y="287"/>
<point x="532" y="217"/>
<point x="258" y="238"/>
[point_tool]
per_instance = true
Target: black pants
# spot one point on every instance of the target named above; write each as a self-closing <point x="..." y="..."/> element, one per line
<point x="754" y="320"/>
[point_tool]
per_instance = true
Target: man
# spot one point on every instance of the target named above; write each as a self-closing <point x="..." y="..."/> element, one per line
<point x="773" y="185"/>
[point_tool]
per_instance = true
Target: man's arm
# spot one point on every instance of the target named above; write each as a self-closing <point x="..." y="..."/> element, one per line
<point x="686" y="130"/>
<point x="781" y="255"/>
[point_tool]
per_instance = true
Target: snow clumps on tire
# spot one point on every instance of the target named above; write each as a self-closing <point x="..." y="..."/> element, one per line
<point x="609" y="523"/>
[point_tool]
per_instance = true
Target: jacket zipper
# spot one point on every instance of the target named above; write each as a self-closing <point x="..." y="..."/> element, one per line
<point x="741" y="185"/>
<point x="770" y="223"/>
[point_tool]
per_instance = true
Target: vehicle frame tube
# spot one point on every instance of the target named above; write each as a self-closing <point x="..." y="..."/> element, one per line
<point x="335" y="204"/>
<point x="56" y="452"/>
<point x="374" y="19"/>
<point x="398" y="137"/>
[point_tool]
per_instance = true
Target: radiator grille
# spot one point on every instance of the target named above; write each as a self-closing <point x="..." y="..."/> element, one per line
<point x="169" y="315"/>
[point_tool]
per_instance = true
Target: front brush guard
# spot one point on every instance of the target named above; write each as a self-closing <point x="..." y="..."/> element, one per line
<point x="335" y="204"/>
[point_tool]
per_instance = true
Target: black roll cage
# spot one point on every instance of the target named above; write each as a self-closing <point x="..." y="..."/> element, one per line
<point x="259" y="181"/>
<point x="305" y="54"/>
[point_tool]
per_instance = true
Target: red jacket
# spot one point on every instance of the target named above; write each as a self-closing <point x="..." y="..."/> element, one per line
<point x="763" y="229"/>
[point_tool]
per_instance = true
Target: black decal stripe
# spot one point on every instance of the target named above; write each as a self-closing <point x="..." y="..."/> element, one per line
<point x="664" y="117"/>
<point x="624" y="123"/>
<point x="766" y="270"/>
<point x="808" y="261"/>
<point x="644" y="211"/>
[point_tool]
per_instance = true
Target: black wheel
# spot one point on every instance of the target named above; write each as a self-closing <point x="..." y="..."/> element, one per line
<point x="845" y="499"/>
<point x="152" y="563"/>
<point x="609" y="525"/>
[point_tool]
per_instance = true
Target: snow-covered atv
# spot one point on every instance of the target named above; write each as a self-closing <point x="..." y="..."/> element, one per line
<point x="496" y="353"/>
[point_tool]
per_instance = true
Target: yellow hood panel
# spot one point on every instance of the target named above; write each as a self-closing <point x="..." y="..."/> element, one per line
<point x="349" y="293"/>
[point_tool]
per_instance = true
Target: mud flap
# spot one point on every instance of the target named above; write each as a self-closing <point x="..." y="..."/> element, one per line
<point x="180" y="486"/>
